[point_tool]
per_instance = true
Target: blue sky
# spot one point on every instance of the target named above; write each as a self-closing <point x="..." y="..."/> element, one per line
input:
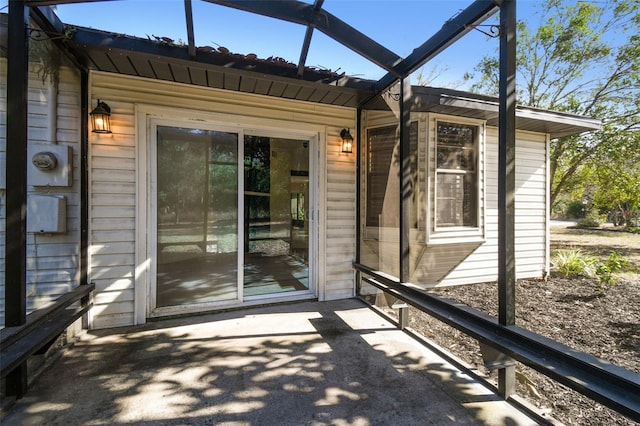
<point x="400" y="25"/>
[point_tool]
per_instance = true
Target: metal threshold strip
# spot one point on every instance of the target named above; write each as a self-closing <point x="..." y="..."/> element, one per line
<point x="601" y="381"/>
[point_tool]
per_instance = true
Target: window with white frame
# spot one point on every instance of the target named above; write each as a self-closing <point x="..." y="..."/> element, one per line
<point x="457" y="183"/>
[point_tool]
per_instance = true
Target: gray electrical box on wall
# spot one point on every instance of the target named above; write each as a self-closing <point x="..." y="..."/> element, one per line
<point x="49" y="165"/>
<point x="46" y="214"/>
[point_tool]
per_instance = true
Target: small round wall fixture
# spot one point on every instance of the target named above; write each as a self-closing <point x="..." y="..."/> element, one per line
<point x="45" y="161"/>
<point x="347" y="141"/>
<point x="101" y="118"/>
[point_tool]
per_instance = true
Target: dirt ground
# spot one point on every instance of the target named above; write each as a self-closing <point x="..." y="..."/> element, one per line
<point x="571" y="311"/>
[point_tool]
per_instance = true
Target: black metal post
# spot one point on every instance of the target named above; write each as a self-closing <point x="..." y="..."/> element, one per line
<point x="16" y="226"/>
<point x="317" y="5"/>
<point x="84" y="176"/>
<point x="358" y="192"/>
<point x="405" y="179"/>
<point x="359" y="145"/>
<point x="84" y="187"/>
<point x="188" y="14"/>
<point x="506" y="182"/>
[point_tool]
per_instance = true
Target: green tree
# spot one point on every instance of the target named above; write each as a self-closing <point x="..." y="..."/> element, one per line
<point x="582" y="58"/>
<point x="618" y="191"/>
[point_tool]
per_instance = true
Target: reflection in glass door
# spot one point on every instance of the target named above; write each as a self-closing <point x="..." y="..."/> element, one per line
<point x="197" y="216"/>
<point x="276" y="215"/>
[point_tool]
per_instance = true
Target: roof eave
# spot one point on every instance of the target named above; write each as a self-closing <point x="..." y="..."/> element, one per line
<point x="118" y="53"/>
<point x="556" y="124"/>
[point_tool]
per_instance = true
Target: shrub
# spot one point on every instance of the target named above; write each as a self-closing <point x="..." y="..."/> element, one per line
<point x="618" y="263"/>
<point x="605" y="271"/>
<point x="591" y="221"/>
<point x="575" y="262"/>
<point x="575" y="210"/>
<point x="559" y="208"/>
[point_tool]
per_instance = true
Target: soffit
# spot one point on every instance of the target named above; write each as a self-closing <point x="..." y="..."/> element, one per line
<point x="118" y="53"/>
<point x="453" y="102"/>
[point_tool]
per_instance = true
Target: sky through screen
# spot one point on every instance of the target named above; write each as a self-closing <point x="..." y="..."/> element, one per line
<point x="399" y="25"/>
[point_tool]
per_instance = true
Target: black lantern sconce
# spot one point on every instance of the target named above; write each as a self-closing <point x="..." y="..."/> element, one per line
<point x="100" y="118"/>
<point x="347" y="141"/>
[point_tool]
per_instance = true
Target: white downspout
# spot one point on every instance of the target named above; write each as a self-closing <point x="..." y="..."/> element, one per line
<point x="547" y="243"/>
<point x="52" y="109"/>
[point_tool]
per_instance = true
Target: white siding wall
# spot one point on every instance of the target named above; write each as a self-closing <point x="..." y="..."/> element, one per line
<point x="532" y="209"/>
<point x="113" y="183"/>
<point x="452" y="261"/>
<point x="52" y="259"/>
<point x="339" y="208"/>
<point x="531" y="214"/>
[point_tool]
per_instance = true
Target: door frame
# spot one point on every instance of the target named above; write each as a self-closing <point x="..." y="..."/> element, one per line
<point x="148" y="116"/>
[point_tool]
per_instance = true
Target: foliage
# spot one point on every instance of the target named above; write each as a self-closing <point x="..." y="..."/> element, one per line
<point x="45" y="59"/>
<point x="44" y="56"/>
<point x="572" y="62"/>
<point x="591" y="221"/>
<point x="575" y="209"/>
<point x="197" y="175"/>
<point x="575" y="262"/>
<point x="617" y="263"/>
<point x="605" y="270"/>
<point x="619" y="176"/>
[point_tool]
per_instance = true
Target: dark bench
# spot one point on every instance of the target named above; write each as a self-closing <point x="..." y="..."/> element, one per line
<point x="41" y="329"/>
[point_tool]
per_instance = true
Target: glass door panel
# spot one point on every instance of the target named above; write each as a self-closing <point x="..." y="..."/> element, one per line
<point x="197" y="216"/>
<point x="276" y="215"/>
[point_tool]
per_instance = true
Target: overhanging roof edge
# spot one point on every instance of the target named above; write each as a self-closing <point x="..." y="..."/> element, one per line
<point x="555" y="123"/>
<point x="522" y="111"/>
<point x="84" y="39"/>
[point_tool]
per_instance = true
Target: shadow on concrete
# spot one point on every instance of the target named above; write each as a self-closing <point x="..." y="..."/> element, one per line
<point x="308" y="363"/>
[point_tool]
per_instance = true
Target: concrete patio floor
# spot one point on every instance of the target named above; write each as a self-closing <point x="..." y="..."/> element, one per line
<point x="311" y="363"/>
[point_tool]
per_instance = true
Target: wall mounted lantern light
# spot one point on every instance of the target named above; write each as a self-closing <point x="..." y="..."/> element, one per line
<point x="100" y="118"/>
<point x="347" y="141"/>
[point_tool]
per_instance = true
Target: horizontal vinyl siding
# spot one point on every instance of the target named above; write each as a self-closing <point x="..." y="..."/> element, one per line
<point x="113" y="182"/>
<point x="464" y="259"/>
<point x="52" y="259"/>
<point x="112" y="218"/>
<point x="161" y="93"/>
<point x="340" y="210"/>
<point x="530" y="214"/>
<point x="46" y="280"/>
<point x="531" y="206"/>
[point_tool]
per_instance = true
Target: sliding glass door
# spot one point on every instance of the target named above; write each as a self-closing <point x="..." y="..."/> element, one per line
<point x="222" y="235"/>
<point x="276" y="215"/>
<point x="197" y="216"/>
